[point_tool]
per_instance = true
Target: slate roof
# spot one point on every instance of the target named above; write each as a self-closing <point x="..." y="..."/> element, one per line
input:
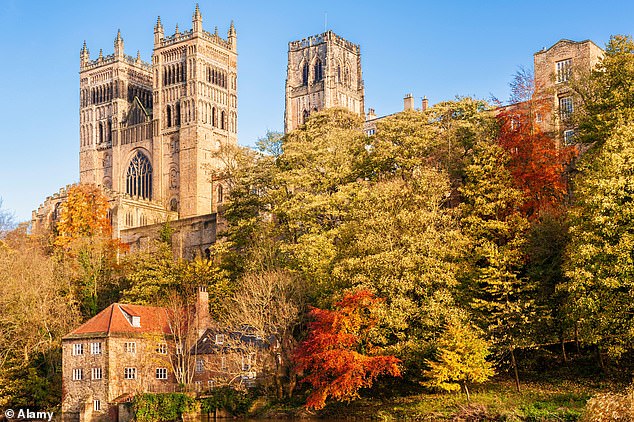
<point x="234" y="340"/>
<point x="117" y="319"/>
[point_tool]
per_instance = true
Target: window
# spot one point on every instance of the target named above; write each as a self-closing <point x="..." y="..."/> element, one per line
<point x="305" y="74"/>
<point x="564" y="70"/>
<point x="78" y="349"/>
<point x="220" y="194"/>
<point x="96" y="373"/>
<point x="565" y="107"/>
<point x="96" y="405"/>
<point x="162" y="349"/>
<point x="198" y="385"/>
<point x="223" y="363"/>
<point x="78" y="374"/>
<point x="319" y="74"/>
<point x="569" y="137"/>
<point x="161" y="373"/>
<point x="129" y="373"/>
<point x="95" y="348"/>
<point x="538" y="117"/>
<point x="220" y="338"/>
<point x="247" y="361"/>
<point x="130" y="347"/>
<point x="200" y="365"/>
<point x="139" y="177"/>
<point x="210" y="384"/>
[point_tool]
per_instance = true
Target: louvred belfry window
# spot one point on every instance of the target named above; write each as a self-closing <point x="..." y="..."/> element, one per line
<point x="139" y="177"/>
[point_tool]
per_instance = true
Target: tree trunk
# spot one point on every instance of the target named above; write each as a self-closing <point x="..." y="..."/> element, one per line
<point x="577" y="337"/>
<point x="563" y="347"/>
<point x="466" y="389"/>
<point x="514" y="363"/>
<point x="600" y="357"/>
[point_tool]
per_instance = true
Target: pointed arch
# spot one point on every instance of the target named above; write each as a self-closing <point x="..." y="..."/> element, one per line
<point x="223" y="117"/>
<point x="139" y="176"/>
<point x="318" y="70"/>
<point x="169" y="116"/>
<point x="304" y="68"/>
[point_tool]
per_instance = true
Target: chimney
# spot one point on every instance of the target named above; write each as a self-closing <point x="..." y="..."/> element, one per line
<point x="371" y="114"/>
<point x="408" y="102"/>
<point x="203" y="320"/>
<point x="425" y="104"/>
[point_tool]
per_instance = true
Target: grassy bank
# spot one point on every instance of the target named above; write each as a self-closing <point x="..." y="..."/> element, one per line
<point x="557" y="400"/>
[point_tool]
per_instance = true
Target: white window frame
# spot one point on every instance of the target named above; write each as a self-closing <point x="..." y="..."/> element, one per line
<point x="161" y="349"/>
<point x="95" y="348"/>
<point x="563" y="70"/>
<point x="96" y="405"/>
<point x="129" y="373"/>
<point x="161" y="373"/>
<point x="78" y="349"/>
<point x="96" y="373"/>
<point x="200" y="365"/>
<point x="569" y="137"/>
<point x="566" y="107"/>
<point x="78" y="374"/>
<point x="220" y="339"/>
<point x="130" y="347"/>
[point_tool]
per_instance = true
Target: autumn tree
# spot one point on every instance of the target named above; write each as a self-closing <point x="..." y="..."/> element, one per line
<point x="338" y="357"/>
<point x="6" y="220"/>
<point x="270" y="304"/>
<point x="599" y="261"/>
<point x="37" y="310"/>
<point x="460" y="358"/>
<point x="492" y="220"/>
<point x="83" y="240"/>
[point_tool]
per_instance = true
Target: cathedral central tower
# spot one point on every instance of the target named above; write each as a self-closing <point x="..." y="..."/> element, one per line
<point x="323" y="71"/>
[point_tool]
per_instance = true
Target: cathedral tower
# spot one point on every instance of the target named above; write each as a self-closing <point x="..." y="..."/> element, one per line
<point x="195" y="112"/>
<point x="323" y="71"/>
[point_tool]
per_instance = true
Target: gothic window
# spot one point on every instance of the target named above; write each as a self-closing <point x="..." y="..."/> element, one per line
<point x="169" y="116"/>
<point x="338" y="73"/>
<point x="223" y="125"/>
<point x="139" y="177"/>
<point x="305" y="116"/>
<point x="318" y="71"/>
<point x="100" y="132"/>
<point x="346" y="77"/>
<point x="109" y="131"/>
<point x="177" y="116"/>
<point x="305" y="74"/>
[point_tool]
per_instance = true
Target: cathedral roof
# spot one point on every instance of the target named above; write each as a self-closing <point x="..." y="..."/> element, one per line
<point x="126" y="319"/>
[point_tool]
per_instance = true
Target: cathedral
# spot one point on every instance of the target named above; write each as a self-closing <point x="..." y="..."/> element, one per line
<point x="148" y="133"/>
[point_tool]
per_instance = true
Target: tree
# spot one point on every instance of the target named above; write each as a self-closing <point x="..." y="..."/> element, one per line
<point x="337" y="356"/>
<point x="6" y="220"/>
<point x="37" y="310"/>
<point x="599" y="261"/>
<point x="491" y="217"/>
<point x="270" y="304"/>
<point x="460" y="359"/>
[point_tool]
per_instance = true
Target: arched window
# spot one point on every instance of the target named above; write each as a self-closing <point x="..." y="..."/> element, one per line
<point x="139" y="177"/>
<point x="220" y="194"/>
<point x="305" y="74"/>
<point x="223" y="125"/>
<point x="318" y="71"/>
<point x="178" y="115"/>
<point x="100" y="132"/>
<point x="214" y="117"/>
<point x="305" y="115"/>
<point x="169" y="116"/>
<point x="338" y="73"/>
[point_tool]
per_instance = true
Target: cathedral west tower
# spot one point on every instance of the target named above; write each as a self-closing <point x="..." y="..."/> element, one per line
<point x="323" y="71"/>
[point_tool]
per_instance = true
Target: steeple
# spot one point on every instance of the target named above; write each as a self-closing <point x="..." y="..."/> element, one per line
<point x="100" y="58"/>
<point x="118" y="45"/>
<point x="197" y="21"/>
<point x="158" y="32"/>
<point x="84" y="55"/>
<point x="232" y="37"/>
<point x="176" y="31"/>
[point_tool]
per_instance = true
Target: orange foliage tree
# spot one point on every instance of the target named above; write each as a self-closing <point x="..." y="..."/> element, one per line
<point x="337" y="356"/>
<point x="83" y="214"/>
<point x="537" y="162"/>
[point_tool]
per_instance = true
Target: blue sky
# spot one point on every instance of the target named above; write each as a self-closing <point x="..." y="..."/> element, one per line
<point x="439" y="49"/>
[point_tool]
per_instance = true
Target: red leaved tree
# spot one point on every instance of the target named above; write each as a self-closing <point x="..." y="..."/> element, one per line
<point x="337" y="356"/>
<point x="538" y="161"/>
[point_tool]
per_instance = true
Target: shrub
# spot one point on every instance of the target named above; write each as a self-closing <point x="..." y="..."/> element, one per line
<point x="161" y="407"/>
<point x="235" y="402"/>
<point x="610" y="407"/>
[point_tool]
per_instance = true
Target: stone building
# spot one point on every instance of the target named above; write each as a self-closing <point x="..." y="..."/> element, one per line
<point x="323" y="71"/>
<point x="554" y="68"/>
<point x="148" y="131"/>
<point x="122" y="350"/>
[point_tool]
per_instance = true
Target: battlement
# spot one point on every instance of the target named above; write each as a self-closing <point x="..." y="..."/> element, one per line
<point x="322" y="38"/>
<point x="187" y="35"/>
<point x="110" y="59"/>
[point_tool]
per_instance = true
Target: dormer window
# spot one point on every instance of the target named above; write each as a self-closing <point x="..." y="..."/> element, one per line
<point x="133" y="320"/>
<point x="136" y="321"/>
<point x="220" y="339"/>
